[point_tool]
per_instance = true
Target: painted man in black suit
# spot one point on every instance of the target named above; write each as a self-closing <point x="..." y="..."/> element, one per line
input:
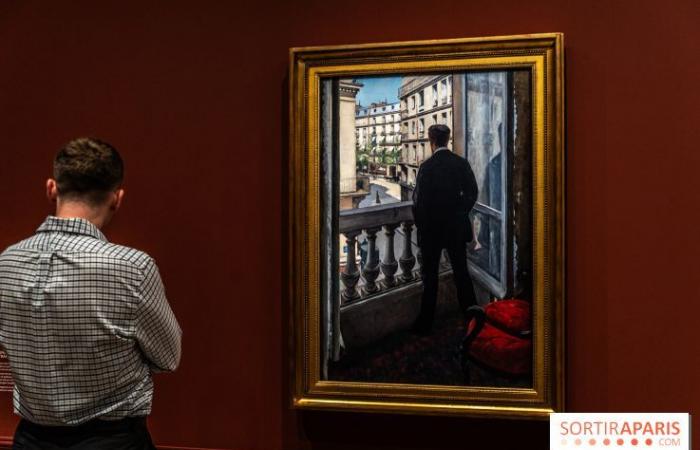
<point x="445" y="193"/>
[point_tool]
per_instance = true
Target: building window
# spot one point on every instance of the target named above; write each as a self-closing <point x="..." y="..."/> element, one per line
<point x="443" y="99"/>
<point x="413" y="127"/>
<point x="412" y="102"/>
<point x="435" y="119"/>
<point x="421" y="98"/>
<point x="435" y="94"/>
<point x="421" y="127"/>
<point x="444" y="118"/>
<point x="422" y="152"/>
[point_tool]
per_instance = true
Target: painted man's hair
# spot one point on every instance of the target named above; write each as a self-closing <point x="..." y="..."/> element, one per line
<point x="439" y="135"/>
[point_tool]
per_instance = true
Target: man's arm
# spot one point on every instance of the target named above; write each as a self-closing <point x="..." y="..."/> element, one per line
<point x="157" y="331"/>
<point x="419" y="193"/>
<point x="471" y="190"/>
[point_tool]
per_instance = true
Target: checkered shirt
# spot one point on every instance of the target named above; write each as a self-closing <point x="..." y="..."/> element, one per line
<point x="84" y="324"/>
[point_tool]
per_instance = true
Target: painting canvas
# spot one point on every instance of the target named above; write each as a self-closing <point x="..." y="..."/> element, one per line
<point x="383" y="144"/>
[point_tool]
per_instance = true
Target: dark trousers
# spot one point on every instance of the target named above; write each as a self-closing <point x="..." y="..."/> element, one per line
<point x="431" y="249"/>
<point x="125" y="434"/>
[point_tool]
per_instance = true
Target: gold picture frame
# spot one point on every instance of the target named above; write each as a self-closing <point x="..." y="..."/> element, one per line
<point x="542" y="56"/>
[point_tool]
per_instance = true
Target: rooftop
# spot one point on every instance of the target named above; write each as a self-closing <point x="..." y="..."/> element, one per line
<point x="376" y="109"/>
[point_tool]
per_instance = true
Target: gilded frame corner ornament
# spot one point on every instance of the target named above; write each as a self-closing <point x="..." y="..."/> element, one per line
<point x="542" y="54"/>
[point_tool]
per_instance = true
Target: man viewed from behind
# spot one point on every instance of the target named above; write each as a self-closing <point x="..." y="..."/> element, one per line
<point x="445" y="193"/>
<point x="84" y="322"/>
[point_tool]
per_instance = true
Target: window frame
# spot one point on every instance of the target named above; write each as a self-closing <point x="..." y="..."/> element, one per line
<point x="501" y="287"/>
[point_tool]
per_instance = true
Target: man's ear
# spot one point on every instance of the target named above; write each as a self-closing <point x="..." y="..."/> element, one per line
<point x="51" y="190"/>
<point x="117" y="200"/>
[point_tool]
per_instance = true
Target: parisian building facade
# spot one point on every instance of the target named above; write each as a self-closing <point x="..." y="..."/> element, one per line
<point x="378" y="128"/>
<point x="424" y="101"/>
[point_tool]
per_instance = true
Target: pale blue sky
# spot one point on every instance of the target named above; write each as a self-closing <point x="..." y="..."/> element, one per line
<point x="376" y="89"/>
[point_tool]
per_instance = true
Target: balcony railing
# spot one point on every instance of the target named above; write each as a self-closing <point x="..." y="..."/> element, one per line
<point x="370" y="221"/>
<point x="381" y="272"/>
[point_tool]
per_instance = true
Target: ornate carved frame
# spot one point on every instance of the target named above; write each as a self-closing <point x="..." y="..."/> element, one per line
<point x="542" y="54"/>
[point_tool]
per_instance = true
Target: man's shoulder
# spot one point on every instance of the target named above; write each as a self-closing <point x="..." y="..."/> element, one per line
<point x="452" y="156"/>
<point x="444" y="157"/>
<point x="430" y="161"/>
<point x="94" y="248"/>
<point x="458" y="161"/>
<point x="24" y="244"/>
<point x="129" y="255"/>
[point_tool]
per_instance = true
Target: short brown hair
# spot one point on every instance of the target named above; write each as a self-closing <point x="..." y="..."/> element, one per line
<point x="439" y="134"/>
<point x="87" y="169"/>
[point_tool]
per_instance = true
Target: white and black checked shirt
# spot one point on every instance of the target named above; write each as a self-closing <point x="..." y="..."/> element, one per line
<point x="84" y="323"/>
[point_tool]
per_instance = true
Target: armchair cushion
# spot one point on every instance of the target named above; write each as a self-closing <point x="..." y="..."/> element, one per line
<point x="512" y="316"/>
<point x="499" y="350"/>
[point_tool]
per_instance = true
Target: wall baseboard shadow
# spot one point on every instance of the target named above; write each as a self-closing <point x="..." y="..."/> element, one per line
<point x="6" y="444"/>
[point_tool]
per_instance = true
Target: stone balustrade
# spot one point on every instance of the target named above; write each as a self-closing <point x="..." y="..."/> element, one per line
<point x="380" y="272"/>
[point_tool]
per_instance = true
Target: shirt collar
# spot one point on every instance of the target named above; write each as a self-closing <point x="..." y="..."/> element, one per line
<point x="73" y="225"/>
<point x="441" y="148"/>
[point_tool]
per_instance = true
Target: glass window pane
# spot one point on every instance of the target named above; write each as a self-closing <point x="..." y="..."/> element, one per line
<point x="486" y="250"/>
<point x="486" y="115"/>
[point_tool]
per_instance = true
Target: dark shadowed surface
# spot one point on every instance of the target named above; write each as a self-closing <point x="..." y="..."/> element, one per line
<point x="193" y="95"/>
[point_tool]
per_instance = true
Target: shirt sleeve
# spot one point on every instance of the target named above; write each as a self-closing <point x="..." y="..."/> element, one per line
<point x="157" y="331"/>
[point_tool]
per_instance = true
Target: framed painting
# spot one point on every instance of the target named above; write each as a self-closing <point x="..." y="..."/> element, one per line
<point x="426" y="226"/>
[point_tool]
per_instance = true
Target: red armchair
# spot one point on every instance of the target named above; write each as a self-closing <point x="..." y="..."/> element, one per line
<point x="498" y="348"/>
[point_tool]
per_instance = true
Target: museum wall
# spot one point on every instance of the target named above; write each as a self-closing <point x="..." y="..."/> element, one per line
<point x="194" y="95"/>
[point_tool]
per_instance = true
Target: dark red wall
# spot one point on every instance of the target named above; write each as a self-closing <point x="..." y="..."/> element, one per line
<point x="193" y="93"/>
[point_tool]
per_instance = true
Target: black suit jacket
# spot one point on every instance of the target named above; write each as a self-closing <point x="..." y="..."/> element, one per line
<point x="444" y="195"/>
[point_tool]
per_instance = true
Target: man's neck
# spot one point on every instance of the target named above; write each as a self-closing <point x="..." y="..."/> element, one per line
<point x="79" y="210"/>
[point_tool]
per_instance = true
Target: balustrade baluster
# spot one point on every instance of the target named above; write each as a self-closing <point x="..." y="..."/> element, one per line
<point x="350" y="274"/>
<point x="407" y="260"/>
<point x="389" y="264"/>
<point x="370" y="271"/>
